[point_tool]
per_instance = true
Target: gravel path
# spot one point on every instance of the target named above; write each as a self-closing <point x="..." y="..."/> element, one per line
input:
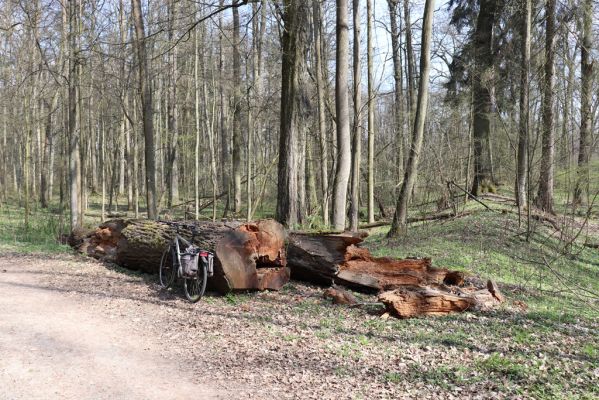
<point x="55" y="345"/>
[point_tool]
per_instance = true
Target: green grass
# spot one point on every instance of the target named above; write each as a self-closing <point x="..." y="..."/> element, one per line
<point x="492" y="246"/>
<point x="41" y="235"/>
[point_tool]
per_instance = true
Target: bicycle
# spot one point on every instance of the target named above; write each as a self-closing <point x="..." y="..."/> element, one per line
<point x="182" y="259"/>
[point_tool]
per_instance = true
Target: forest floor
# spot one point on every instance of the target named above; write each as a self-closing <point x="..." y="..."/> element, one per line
<point x="295" y="344"/>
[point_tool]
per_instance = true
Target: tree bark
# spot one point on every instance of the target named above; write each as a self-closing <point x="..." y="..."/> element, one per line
<point x="173" y="110"/>
<point x="147" y="111"/>
<point x="342" y="170"/>
<point x="322" y="125"/>
<point x="295" y="18"/>
<point x="354" y="210"/>
<point x="411" y="65"/>
<point x="544" y="200"/>
<point x="524" y="123"/>
<point x="483" y="81"/>
<point x="236" y="113"/>
<point x="586" y="114"/>
<point x="401" y="211"/>
<point x="398" y="89"/>
<point x="73" y="94"/>
<point x="371" y="104"/>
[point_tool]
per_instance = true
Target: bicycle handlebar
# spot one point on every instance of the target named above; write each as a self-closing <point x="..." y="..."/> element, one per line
<point x="179" y="225"/>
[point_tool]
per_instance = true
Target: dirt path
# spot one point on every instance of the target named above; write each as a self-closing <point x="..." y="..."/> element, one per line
<point x="55" y="346"/>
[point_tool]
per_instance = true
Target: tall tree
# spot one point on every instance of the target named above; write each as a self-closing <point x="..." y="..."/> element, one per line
<point x="236" y="112"/>
<point x="522" y="156"/>
<point x="483" y="81"/>
<point x="342" y="170"/>
<point x="371" y="104"/>
<point x="146" y="108"/>
<point x="73" y="95"/>
<point x="401" y="210"/>
<point x="586" y="92"/>
<point x="398" y="89"/>
<point x="544" y="198"/>
<point x="293" y="44"/>
<point x="322" y="124"/>
<point x="354" y="211"/>
<point x="172" y="108"/>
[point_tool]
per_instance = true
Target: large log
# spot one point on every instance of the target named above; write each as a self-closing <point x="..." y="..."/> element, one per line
<point x="247" y="255"/>
<point x="324" y="258"/>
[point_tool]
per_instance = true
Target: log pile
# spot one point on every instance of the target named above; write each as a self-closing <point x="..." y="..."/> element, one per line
<point x="247" y="256"/>
<point x="261" y="255"/>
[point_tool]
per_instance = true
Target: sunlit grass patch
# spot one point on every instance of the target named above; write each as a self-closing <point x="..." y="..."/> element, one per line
<point x="41" y="234"/>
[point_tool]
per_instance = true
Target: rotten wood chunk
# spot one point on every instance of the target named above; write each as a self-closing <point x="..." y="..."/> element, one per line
<point x="412" y="301"/>
<point x="324" y="258"/>
<point x="316" y="257"/>
<point x="247" y="255"/>
<point x="339" y="296"/>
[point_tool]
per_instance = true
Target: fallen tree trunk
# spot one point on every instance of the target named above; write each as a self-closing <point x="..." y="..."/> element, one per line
<point x="247" y="255"/>
<point x="328" y="258"/>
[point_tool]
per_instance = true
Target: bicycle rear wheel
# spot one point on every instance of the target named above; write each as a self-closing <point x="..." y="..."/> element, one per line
<point x="168" y="267"/>
<point x="196" y="286"/>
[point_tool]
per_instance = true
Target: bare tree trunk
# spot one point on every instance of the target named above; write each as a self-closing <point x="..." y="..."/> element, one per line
<point x="146" y="103"/>
<point x="322" y="124"/>
<point x="411" y="66"/>
<point x="342" y="110"/>
<point x="482" y="89"/>
<point x="295" y="18"/>
<point x="397" y="105"/>
<point x="173" y="113"/>
<point x="544" y="199"/>
<point x="74" y="152"/>
<point x="586" y="114"/>
<point x="236" y="112"/>
<point x="401" y="211"/>
<point x="371" y="104"/>
<point x="354" y="211"/>
<point x="522" y="157"/>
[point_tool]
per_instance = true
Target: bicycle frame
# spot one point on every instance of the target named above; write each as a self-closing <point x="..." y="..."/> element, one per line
<point x="178" y="253"/>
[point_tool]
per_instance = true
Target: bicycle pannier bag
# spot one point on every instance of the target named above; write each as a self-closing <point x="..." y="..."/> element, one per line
<point x="208" y="260"/>
<point x="189" y="260"/>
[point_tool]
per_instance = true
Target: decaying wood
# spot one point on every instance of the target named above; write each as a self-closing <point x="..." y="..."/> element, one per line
<point x="316" y="257"/>
<point x="323" y="259"/>
<point x="412" y="301"/>
<point x="247" y="255"/>
<point x="253" y="256"/>
<point x="340" y="296"/>
<point x="407" y="287"/>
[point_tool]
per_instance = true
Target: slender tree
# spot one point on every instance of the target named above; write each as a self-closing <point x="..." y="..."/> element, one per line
<point x="522" y="156"/>
<point x="354" y="211"/>
<point x="483" y="81"/>
<point x="586" y="89"/>
<point x="371" y="104"/>
<point x="342" y="171"/>
<point x="322" y="125"/>
<point x="73" y="93"/>
<point x="146" y="107"/>
<point x="544" y="199"/>
<point x="401" y="210"/>
<point x="236" y="112"/>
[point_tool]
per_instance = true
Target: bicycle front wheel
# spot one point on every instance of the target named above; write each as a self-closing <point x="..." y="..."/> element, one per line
<point x="168" y="268"/>
<point x="195" y="287"/>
